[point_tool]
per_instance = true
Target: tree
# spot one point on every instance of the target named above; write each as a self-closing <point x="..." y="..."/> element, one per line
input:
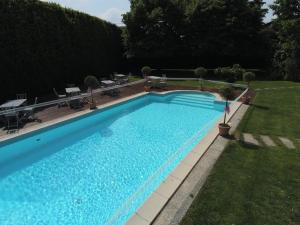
<point x="227" y="93"/>
<point x="153" y="28"/>
<point x="92" y="83"/>
<point x="286" y="59"/>
<point x="200" y="72"/>
<point x="146" y="71"/>
<point x="184" y="32"/>
<point x="248" y="77"/>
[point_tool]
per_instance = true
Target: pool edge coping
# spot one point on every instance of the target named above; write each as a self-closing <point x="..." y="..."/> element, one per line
<point x="148" y="212"/>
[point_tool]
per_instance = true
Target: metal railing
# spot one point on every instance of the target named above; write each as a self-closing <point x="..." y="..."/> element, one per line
<point x="68" y="99"/>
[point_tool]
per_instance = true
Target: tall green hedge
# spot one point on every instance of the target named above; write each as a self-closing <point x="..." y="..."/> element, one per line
<point x="43" y="45"/>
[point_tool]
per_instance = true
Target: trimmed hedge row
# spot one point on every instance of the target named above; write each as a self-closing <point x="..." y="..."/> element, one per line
<point x="43" y="45"/>
<point x="184" y="73"/>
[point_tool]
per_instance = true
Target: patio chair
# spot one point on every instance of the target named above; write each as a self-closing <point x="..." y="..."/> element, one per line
<point x="60" y="97"/>
<point x="29" y="112"/>
<point x="12" y="121"/>
<point x="21" y="96"/>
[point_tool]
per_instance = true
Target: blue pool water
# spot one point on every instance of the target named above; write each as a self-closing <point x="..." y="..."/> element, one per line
<point x="96" y="169"/>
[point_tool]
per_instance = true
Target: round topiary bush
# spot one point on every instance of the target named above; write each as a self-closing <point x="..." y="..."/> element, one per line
<point x="146" y="71"/>
<point x="227" y="92"/>
<point x="92" y="83"/>
<point x="248" y="77"/>
<point x="200" y="72"/>
<point x="228" y="74"/>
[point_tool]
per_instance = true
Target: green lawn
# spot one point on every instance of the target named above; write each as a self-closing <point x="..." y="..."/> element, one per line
<point x="193" y="83"/>
<point x="256" y="185"/>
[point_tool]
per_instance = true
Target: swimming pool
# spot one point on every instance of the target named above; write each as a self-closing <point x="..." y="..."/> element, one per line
<point x="87" y="170"/>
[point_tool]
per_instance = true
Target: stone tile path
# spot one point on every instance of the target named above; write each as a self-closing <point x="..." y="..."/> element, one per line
<point x="287" y="143"/>
<point x="249" y="139"/>
<point x="267" y="141"/>
<point x="278" y="88"/>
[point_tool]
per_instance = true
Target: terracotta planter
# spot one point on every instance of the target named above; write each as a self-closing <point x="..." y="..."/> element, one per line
<point x="224" y="129"/>
<point x="146" y="88"/>
<point x="246" y="100"/>
<point x="93" y="106"/>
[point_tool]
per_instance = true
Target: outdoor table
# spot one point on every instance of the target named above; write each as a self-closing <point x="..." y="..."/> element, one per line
<point x="108" y="82"/>
<point x="154" y="78"/>
<point x="120" y="76"/>
<point x="154" y="81"/>
<point x="13" y="104"/>
<point x="73" y="90"/>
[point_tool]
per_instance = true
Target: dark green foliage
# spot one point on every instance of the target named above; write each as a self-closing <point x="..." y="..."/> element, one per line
<point x="146" y="70"/>
<point x="292" y="69"/>
<point x="217" y="32"/>
<point x="44" y="46"/>
<point x="200" y="72"/>
<point x="91" y="82"/>
<point x="287" y="24"/>
<point x="227" y="92"/>
<point x="248" y="77"/>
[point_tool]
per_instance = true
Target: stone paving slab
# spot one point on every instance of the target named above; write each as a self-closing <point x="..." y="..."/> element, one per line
<point x="267" y="141"/>
<point x="249" y="139"/>
<point x="287" y="143"/>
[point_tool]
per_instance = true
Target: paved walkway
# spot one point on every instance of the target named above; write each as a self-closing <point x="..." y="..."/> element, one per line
<point x="267" y="141"/>
<point x="287" y="143"/>
<point x="249" y="139"/>
<point x="278" y="88"/>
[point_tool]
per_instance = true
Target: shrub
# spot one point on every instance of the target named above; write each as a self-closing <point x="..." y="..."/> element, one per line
<point x="228" y="74"/>
<point x="248" y="77"/>
<point x="92" y="83"/>
<point x="292" y="70"/>
<point x="146" y="70"/>
<point x="218" y="72"/>
<point x="238" y="70"/>
<point x="200" y="72"/>
<point x="227" y="92"/>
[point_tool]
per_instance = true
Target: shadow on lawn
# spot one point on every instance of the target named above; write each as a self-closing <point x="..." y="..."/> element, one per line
<point x="248" y="145"/>
<point x="260" y="107"/>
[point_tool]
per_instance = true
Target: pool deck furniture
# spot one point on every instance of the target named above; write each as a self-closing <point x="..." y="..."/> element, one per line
<point x="74" y="91"/>
<point x="21" y="96"/>
<point x="121" y="78"/>
<point x="13" y="104"/>
<point x="108" y="83"/>
<point x="157" y="82"/>
<point x="60" y="96"/>
<point x="12" y="119"/>
<point x="29" y="112"/>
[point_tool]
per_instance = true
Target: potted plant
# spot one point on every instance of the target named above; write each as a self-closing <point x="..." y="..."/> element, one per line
<point x="227" y="93"/>
<point x="92" y="83"/>
<point x="146" y="71"/>
<point x="248" y="77"/>
<point x="201" y="73"/>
